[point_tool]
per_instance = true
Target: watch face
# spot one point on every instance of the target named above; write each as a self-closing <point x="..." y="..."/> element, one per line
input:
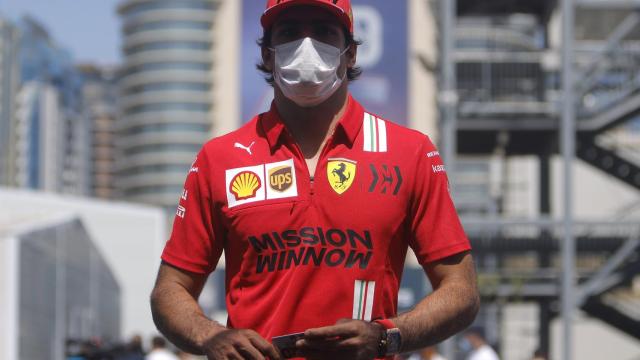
<point x="393" y="341"/>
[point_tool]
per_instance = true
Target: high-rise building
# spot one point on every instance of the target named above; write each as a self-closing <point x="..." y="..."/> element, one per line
<point x="52" y="135"/>
<point x="9" y="79"/>
<point x="166" y="95"/>
<point x="39" y="138"/>
<point x="99" y="94"/>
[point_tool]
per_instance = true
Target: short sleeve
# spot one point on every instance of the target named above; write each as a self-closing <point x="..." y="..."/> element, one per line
<point x="436" y="229"/>
<point x="193" y="245"/>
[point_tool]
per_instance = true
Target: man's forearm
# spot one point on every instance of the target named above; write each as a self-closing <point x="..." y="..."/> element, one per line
<point x="440" y="315"/>
<point x="179" y="317"/>
<point x="448" y="310"/>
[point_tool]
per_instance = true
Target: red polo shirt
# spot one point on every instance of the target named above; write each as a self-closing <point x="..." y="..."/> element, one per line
<point x="304" y="251"/>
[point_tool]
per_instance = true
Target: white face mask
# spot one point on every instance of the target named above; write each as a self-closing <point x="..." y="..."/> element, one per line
<point x="306" y="71"/>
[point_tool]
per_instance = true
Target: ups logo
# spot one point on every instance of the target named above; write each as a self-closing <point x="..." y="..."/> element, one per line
<point x="280" y="178"/>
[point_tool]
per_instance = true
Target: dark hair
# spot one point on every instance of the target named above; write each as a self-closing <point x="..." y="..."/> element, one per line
<point x="265" y="42"/>
<point x="477" y="331"/>
<point x="158" y="342"/>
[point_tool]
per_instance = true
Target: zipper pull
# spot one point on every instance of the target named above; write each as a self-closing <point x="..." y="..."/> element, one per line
<point x="311" y="185"/>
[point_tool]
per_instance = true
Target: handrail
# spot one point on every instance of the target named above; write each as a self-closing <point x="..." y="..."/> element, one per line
<point x="598" y="64"/>
<point x="610" y="141"/>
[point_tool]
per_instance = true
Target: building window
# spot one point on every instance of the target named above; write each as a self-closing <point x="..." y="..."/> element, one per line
<point x="147" y="129"/>
<point x="155" y="190"/>
<point x="169" y="86"/>
<point x="168" y="5"/>
<point x="163" y="148"/>
<point x="203" y="108"/>
<point x="168" y="66"/>
<point x="169" y="45"/>
<point x="169" y="25"/>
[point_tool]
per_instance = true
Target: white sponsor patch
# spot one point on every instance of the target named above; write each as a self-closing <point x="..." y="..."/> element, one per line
<point x="245" y="185"/>
<point x="261" y="182"/>
<point x="432" y="154"/>
<point x="185" y="193"/>
<point x="282" y="180"/>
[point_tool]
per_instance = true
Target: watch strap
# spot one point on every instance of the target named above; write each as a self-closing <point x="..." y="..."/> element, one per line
<point x="389" y="344"/>
<point x="386" y="323"/>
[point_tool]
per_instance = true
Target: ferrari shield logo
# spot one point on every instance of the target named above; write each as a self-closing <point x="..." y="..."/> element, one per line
<point x="340" y="173"/>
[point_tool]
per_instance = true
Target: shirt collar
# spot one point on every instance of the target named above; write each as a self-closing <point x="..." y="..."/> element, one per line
<point x="349" y="125"/>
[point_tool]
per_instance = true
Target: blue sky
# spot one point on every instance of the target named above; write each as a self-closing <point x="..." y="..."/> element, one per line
<point x="90" y="29"/>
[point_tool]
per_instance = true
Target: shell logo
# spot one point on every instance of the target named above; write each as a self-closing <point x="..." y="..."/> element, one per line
<point x="245" y="185"/>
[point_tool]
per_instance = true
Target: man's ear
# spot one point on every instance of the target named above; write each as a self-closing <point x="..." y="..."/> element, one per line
<point x="267" y="58"/>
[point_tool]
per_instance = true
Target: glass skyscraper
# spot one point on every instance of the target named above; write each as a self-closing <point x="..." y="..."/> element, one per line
<point x="52" y="136"/>
<point x="65" y="119"/>
<point x="9" y="81"/>
<point x="166" y="95"/>
<point x="99" y="97"/>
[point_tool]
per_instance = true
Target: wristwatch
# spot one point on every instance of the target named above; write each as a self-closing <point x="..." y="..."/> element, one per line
<point x="391" y="340"/>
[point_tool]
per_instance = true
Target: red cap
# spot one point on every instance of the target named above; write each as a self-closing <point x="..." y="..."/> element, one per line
<point x="341" y="8"/>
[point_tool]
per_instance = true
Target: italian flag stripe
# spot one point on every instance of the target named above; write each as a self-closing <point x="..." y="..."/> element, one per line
<point x="357" y="299"/>
<point x="382" y="136"/>
<point x="375" y="134"/>
<point x="364" y="305"/>
<point x="366" y="128"/>
<point x="363" y="299"/>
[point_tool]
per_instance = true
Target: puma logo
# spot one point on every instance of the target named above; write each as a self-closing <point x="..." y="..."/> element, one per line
<point x="247" y="148"/>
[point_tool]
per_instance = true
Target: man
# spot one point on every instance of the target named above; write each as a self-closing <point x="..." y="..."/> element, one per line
<point x="539" y="354"/>
<point x="478" y="348"/>
<point x="315" y="204"/>
<point x="133" y="349"/>
<point x="159" y="350"/>
<point x="428" y="353"/>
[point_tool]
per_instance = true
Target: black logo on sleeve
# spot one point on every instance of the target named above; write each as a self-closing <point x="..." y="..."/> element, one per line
<point x="385" y="179"/>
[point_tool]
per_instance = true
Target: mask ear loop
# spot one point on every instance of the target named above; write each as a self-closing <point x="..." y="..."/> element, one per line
<point x="346" y="70"/>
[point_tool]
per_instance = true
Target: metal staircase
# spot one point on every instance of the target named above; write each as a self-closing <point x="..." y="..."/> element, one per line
<point x="608" y="161"/>
<point x="625" y="110"/>
<point x="508" y="101"/>
<point x="617" y="301"/>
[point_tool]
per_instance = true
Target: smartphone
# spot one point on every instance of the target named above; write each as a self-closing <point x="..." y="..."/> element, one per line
<point x="287" y="344"/>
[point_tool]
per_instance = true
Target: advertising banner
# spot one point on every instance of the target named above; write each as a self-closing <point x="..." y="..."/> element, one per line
<point x="382" y="26"/>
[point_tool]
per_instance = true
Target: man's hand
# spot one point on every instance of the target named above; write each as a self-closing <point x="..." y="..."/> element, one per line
<point x="348" y="339"/>
<point x="234" y="344"/>
<point x="179" y="317"/>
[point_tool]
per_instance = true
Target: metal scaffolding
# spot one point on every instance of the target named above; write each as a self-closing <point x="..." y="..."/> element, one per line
<point x="568" y="133"/>
<point x="523" y="97"/>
